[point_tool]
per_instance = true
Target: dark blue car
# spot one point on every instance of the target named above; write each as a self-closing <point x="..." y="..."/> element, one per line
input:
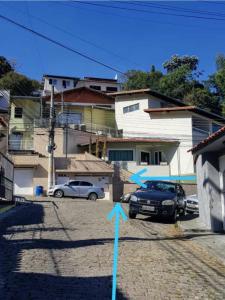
<point x="159" y="198"/>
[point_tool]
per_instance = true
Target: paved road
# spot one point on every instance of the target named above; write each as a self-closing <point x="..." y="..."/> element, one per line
<point x="63" y="250"/>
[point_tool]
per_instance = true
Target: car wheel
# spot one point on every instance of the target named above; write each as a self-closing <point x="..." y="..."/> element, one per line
<point x="132" y="215"/>
<point x="93" y="197"/>
<point x="182" y="212"/>
<point x="173" y="218"/>
<point x="58" y="194"/>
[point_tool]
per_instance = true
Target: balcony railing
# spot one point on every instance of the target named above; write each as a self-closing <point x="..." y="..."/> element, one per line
<point x="89" y="127"/>
<point x="21" y="145"/>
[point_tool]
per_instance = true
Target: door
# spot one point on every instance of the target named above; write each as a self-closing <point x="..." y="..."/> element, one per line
<point x="23" y="182"/>
<point x="15" y="141"/>
<point x="72" y="189"/>
<point x="85" y="188"/>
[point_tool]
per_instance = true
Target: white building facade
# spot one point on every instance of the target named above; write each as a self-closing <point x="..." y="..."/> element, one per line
<point x="64" y="83"/>
<point x="167" y="128"/>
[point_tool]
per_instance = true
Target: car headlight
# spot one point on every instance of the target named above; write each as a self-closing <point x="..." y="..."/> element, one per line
<point x="134" y="198"/>
<point x="168" y="202"/>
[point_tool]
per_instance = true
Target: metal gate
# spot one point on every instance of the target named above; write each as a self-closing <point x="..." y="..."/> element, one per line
<point x="6" y="178"/>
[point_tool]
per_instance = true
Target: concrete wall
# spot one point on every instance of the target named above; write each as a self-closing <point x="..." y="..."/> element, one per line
<point x="209" y="190"/>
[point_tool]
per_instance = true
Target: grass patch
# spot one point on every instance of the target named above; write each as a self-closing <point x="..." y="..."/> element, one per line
<point x="4" y="208"/>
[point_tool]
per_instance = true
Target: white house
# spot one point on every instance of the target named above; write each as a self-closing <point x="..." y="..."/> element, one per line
<point x="157" y="132"/>
<point x="64" y="83"/>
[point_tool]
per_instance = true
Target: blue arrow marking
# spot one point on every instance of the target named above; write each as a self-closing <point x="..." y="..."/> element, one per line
<point x="136" y="178"/>
<point x="117" y="211"/>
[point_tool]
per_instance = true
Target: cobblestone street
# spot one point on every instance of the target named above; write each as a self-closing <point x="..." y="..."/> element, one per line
<point x="64" y="250"/>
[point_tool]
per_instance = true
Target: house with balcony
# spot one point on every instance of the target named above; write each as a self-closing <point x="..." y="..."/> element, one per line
<point x="23" y="111"/>
<point x="156" y="132"/>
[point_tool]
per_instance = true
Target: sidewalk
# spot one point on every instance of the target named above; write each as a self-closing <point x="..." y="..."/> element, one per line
<point x="197" y="231"/>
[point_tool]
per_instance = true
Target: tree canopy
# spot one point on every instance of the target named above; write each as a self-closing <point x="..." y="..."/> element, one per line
<point x="181" y="81"/>
<point x="18" y="84"/>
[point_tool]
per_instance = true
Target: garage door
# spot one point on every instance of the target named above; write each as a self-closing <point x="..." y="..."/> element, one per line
<point x="23" y="182"/>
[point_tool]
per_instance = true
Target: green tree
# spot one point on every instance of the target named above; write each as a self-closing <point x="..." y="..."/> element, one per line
<point x="136" y="79"/>
<point x="176" y="61"/>
<point x="5" y="66"/>
<point x="18" y="84"/>
<point x="203" y="98"/>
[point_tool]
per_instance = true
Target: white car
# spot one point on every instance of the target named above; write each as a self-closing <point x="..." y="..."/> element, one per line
<point x="192" y="204"/>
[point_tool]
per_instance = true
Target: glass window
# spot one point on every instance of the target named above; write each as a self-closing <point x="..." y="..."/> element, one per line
<point x="161" y="186"/>
<point x="121" y="155"/>
<point x="18" y="112"/>
<point x="96" y="87"/>
<point x="85" y="183"/>
<point x="111" y="89"/>
<point x="158" y="157"/>
<point x="131" y="108"/>
<point x="145" y="157"/>
<point x="74" y="183"/>
<point x="54" y="81"/>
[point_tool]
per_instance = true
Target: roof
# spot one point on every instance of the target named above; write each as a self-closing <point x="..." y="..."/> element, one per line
<point x="191" y="108"/>
<point x="83" y="164"/>
<point x="83" y="95"/>
<point x="139" y="140"/>
<point x="175" y="101"/>
<point x="168" y="109"/>
<point x="101" y="79"/>
<point x="131" y="140"/>
<point x="60" y="76"/>
<point x="212" y="138"/>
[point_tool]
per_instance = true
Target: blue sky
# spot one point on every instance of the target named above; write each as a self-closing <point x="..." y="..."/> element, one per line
<point x="124" y="39"/>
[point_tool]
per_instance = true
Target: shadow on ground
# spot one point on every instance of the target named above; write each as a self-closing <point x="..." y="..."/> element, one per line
<point x="17" y="285"/>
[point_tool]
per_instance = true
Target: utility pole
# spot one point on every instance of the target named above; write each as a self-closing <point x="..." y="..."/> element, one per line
<point x="51" y="144"/>
<point x="62" y="102"/>
<point x="90" y="142"/>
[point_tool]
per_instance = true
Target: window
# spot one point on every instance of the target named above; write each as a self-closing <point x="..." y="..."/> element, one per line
<point x="215" y="127"/>
<point x="18" y="112"/>
<point x="65" y="83"/>
<point x="52" y="81"/>
<point x="84" y="183"/>
<point x="131" y="108"/>
<point x="121" y="155"/>
<point x="145" y="158"/>
<point x="200" y="124"/>
<point x="96" y="87"/>
<point x="111" y="89"/>
<point x="158" y="157"/>
<point x="74" y="183"/>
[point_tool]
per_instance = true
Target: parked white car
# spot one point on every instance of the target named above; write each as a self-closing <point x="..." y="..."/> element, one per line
<point x="192" y="204"/>
<point x="75" y="188"/>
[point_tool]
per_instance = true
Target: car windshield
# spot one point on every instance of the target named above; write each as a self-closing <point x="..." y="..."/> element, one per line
<point x="161" y="186"/>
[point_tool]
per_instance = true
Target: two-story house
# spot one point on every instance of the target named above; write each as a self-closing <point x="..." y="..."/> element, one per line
<point x="65" y="83"/>
<point x="157" y="131"/>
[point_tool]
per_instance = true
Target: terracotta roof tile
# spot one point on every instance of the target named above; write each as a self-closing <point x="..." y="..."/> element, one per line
<point x="213" y="137"/>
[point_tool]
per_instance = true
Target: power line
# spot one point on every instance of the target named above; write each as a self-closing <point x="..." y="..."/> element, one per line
<point x="78" y="37"/>
<point x="173" y="8"/>
<point x="60" y="44"/>
<point x="149" y="12"/>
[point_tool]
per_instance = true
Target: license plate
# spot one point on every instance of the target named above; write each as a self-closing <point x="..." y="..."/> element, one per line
<point x="149" y="208"/>
<point x="192" y="205"/>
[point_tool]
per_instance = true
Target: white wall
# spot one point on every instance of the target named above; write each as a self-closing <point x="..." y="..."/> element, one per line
<point x="58" y="87"/>
<point x="81" y="83"/>
<point x="172" y="125"/>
